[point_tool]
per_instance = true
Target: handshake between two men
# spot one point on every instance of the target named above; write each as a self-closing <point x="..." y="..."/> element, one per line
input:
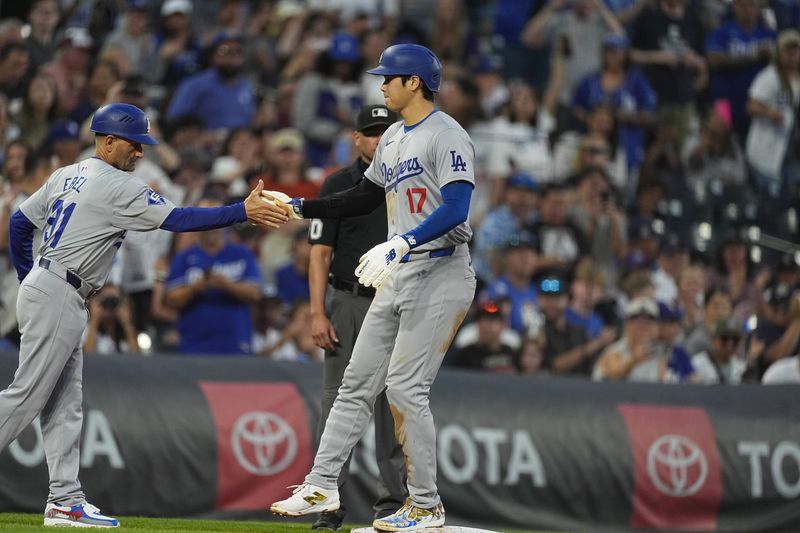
<point x="374" y="266"/>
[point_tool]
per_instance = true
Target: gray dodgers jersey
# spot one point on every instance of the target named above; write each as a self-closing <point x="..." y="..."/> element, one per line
<point x="84" y="211"/>
<point x="412" y="166"/>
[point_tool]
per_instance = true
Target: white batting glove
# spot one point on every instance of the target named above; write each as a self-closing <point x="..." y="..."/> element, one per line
<point x="292" y="206"/>
<point x="376" y="265"/>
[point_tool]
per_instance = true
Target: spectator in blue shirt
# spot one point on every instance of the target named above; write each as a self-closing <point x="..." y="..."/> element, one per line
<point x="219" y="95"/>
<point x="212" y="284"/>
<point x="520" y="260"/>
<point x="679" y="362"/>
<point x="628" y="92"/>
<point x="517" y="210"/>
<point x="586" y="290"/>
<point x="737" y="51"/>
<point x="292" y="278"/>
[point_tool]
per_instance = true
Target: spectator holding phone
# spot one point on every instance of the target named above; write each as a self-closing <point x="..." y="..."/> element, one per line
<point x="596" y="213"/>
<point x="779" y="314"/>
<point x="636" y="347"/>
<point x="110" y="329"/>
<point x="212" y="284"/>
<point x="717" y="305"/>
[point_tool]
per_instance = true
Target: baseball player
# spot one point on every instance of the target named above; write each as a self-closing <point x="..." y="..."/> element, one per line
<point x="84" y="211"/>
<point x="424" y="168"/>
<point x="336" y="246"/>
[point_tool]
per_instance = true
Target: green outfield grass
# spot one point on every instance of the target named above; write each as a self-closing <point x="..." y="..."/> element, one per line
<point x="33" y="522"/>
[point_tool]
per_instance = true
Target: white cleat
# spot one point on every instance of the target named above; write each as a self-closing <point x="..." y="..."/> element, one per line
<point x="83" y="515"/>
<point x="411" y="518"/>
<point x="307" y="499"/>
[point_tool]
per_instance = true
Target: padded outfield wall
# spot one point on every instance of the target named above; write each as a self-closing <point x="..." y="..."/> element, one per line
<point x="224" y="437"/>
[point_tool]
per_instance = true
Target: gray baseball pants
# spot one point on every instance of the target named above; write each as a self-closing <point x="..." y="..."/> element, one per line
<point x="407" y="330"/>
<point x="48" y="382"/>
<point x="347" y="312"/>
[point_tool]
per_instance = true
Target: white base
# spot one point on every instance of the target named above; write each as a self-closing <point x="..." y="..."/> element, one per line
<point x="443" y="529"/>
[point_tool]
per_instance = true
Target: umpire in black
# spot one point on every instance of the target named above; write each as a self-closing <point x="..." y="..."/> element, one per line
<point x="339" y="304"/>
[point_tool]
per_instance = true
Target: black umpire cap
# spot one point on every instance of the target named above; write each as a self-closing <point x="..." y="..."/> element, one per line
<point x="375" y="116"/>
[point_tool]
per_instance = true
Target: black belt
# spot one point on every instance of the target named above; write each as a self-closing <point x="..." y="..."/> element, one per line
<point x="70" y="277"/>
<point x="352" y="287"/>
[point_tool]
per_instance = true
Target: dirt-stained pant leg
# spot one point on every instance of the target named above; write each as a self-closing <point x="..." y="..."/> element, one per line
<point x="433" y="301"/>
<point x="409" y="326"/>
<point x="48" y="379"/>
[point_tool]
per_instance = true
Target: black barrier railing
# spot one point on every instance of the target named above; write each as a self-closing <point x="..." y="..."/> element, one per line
<point x="181" y="436"/>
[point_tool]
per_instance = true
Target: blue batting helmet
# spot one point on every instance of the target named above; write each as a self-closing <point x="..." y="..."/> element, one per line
<point x="123" y="120"/>
<point x="408" y="60"/>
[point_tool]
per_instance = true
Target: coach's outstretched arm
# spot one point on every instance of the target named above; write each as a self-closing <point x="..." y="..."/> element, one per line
<point x="254" y="209"/>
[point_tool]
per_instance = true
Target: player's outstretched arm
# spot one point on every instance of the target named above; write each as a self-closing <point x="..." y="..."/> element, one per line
<point x="362" y="199"/>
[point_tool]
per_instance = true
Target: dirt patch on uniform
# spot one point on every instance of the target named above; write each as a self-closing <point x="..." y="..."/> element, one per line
<point x="456" y="324"/>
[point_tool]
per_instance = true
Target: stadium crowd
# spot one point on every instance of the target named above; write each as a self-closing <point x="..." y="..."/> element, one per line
<point x="637" y="170"/>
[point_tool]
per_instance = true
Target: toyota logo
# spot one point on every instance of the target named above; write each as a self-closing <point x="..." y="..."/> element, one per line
<point x="263" y="443"/>
<point x="676" y="465"/>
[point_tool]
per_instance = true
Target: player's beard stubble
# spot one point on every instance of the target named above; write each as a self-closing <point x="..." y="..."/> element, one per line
<point x="127" y="160"/>
<point x="129" y="164"/>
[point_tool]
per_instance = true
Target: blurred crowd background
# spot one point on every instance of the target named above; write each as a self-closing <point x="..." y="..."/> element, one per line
<point x="637" y="168"/>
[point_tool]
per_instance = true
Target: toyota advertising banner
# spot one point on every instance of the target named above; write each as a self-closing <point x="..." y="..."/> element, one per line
<point x="223" y="437"/>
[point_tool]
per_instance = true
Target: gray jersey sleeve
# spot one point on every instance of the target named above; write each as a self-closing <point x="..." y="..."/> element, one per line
<point x="453" y="155"/>
<point x="375" y="172"/>
<point x="137" y="207"/>
<point x="35" y="207"/>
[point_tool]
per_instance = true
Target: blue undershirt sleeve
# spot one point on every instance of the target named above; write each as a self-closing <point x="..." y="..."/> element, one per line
<point x="451" y="213"/>
<point x="20" y="241"/>
<point x="204" y="218"/>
